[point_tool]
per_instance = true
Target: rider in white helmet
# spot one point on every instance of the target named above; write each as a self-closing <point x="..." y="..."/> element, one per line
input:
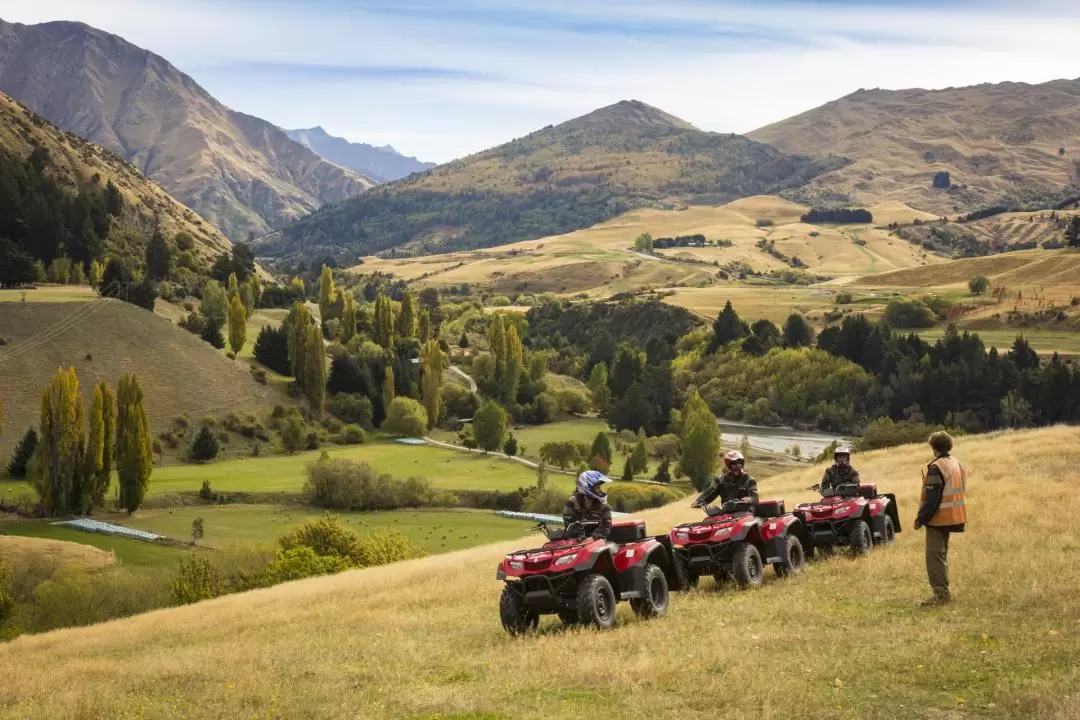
<point x="588" y="504"/>
<point x="734" y="485"/>
<point x="841" y="472"/>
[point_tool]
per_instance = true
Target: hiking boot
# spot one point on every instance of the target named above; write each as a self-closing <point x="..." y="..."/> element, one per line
<point x="935" y="600"/>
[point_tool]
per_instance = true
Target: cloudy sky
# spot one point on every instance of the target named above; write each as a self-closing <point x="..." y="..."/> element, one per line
<point x="443" y="78"/>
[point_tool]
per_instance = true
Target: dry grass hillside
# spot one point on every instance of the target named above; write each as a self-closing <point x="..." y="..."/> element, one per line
<point x="240" y="172"/>
<point x="555" y="180"/>
<point x="422" y="639"/>
<point x="601" y="260"/>
<point x="103" y="339"/>
<point x="994" y="140"/>
<point x="59" y="553"/>
<point x="78" y="163"/>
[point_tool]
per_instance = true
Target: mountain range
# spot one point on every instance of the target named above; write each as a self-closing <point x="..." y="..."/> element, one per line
<point x="555" y="180"/>
<point x="241" y="173"/>
<point x="382" y="164"/>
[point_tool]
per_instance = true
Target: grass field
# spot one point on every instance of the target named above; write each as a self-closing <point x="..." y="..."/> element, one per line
<point x="229" y="526"/>
<point x="50" y="293"/>
<point x="1044" y="341"/>
<point x="844" y="640"/>
<point x="15" y="548"/>
<point x="127" y="551"/>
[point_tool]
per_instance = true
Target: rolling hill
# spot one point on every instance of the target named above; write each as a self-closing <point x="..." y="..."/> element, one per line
<point x="555" y="180"/>
<point x="421" y="639"/>
<point x="239" y="172"/>
<point x="1010" y="143"/>
<point x="103" y="339"/>
<point x="76" y="163"/>
<point x="381" y="164"/>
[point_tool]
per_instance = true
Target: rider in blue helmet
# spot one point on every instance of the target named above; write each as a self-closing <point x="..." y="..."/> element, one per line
<point x="588" y="504"/>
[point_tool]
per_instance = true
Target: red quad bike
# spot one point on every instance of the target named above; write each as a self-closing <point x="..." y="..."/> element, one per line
<point x="581" y="579"/>
<point x="856" y="516"/>
<point x="736" y="541"/>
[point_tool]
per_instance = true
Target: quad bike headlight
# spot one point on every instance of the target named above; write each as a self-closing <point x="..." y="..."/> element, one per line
<point x="565" y="560"/>
<point x="516" y="565"/>
<point x="721" y="532"/>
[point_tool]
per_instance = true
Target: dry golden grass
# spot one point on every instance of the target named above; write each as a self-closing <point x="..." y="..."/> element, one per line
<point x="178" y="372"/>
<point x="844" y="640"/>
<point x="14" y="549"/>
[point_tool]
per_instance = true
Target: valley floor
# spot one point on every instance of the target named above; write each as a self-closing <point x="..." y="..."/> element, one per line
<point x="422" y="639"/>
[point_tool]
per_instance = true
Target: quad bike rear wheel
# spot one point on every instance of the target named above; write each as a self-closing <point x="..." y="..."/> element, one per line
<point x="794" y="558"/>
<point x="654" y="603"/>
<point x="860" y="538"/>
<point x="596" y="602"/>
<point x="516" y="618"/>
<point x="747" y="566"/>
<point x="683" y="575"/>
<point x="888" y="532"/>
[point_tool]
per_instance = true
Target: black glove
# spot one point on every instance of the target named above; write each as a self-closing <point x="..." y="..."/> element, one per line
<point x="713" y="510"/>
<point x="573" y="529"/>
<point x="918" y="524"/>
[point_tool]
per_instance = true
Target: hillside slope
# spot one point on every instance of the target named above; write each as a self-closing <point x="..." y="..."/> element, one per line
<point x="382" y="164"/>
<point x="555" y="180"/>
<point x="104" y="339"/>
<point x="77" y="163"/>
<point x="844" y="640"/>
<point x="996" y="141"/>
<point x="240" y="172"/>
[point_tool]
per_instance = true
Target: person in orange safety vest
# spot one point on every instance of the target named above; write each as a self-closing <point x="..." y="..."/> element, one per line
<point x="943" y="512"/>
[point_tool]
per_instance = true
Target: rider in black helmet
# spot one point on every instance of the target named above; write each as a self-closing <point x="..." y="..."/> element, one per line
<point x="734" y="485"/>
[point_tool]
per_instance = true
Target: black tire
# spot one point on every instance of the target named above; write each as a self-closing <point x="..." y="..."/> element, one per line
<point x="568" y="617"/>
<point x="888" y="532"/>
<point x="860" y="538"/>
<point x="655" y="602"/>
<point x="683" y="576"/>
<point x="516" y="618"/>
<point x="596" y="602"/>
<point x="795" y="558"/>
<point x="747" y="567"/>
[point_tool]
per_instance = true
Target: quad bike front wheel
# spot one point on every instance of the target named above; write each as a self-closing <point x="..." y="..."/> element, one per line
<point x="516" y="618"/>
<point x="747" y="566"/>
<point x="654" y="602"/>
<point x="860" y="538"/>
<point x="794" y="558"/>
<point x="888" y="532"/>
<point x="683" y="575"/>
<point x="596" y="602"/>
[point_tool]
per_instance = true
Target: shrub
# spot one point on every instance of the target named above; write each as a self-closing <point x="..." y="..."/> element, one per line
<point x="206" y="492"/>
<point x="353" y="435"/>
<point x="340" y="484"/>
<point x="258" y="374"/>
<point x="351" y="408"/>
<point x="978" y="284"/>
<point x="844" y="298"/>
<point x="383" y="548"/>
<point x="293" y="432"/>
<point x="764" y="222"/>
<point x="510" y="447"/>
<point x="303" y="562"/>
<point x="198" y="579"/>
<point x="663" y="473"/>
<point x="665" y="447"/>
<point x="204" y="447"/>
<point x="406" y="417"/>
<point x="632" y="498"/>
<point x="325" y="536"/>
<point x="72" y="597"/>
<point x="332" y="424"/>
<point x="909" y="313"/>
<point x="886" y="432"/>
<point x="459" y="402"/>
<point x="548" y="500"/>
<point x="311" y="442"/>
<point x="573" y="401"/>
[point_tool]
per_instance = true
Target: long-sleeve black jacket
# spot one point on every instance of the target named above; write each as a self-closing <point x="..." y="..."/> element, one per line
<point x="730" y="486"/>
<point x="583" y="509"/>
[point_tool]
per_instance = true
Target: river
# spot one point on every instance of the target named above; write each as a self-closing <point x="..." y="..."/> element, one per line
<point x="777" y="439"/>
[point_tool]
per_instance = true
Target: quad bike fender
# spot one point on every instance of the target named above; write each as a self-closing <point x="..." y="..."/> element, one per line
<point x="635" y="555"/>
<point x="774" y="547"/>
<point x="747" y="531"/>
<point x="893" y="510"/>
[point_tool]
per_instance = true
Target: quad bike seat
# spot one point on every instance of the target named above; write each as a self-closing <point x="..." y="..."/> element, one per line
<point x="769" y="508"/>
<point x="627" y="531"/>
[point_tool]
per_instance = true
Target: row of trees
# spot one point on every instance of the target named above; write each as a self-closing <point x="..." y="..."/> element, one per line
<point x="72" y="453"/>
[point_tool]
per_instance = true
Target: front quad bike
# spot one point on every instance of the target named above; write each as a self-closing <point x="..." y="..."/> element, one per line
<point x="581" y="579"/>
<point x="856" y="516"/>
<point x="736" y="541"/>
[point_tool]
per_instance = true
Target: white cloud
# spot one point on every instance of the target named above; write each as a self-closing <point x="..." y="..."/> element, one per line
<point x="723" y="65"/>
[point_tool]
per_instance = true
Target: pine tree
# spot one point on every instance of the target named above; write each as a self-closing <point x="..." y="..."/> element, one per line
<point x="432" y="363"/>
<point x="424" y="327"/>
<point x="314" y="370"/>
<point x="93" y="458"/>
<point x="727" y="327"/>
<point x="601" y="447"/>
<point x="237" y="325"/>
<point x="406" y="321"/>
<point x="134" y="452"/>
<point x="59" y="466"/>
<point x="348" y="319"/>
<point x="20" y="459"/>
<point x="101" y="479"/>
<point x="326" y="294"/>
<point x="628" y="471"/>
<point x="158" y="255"/>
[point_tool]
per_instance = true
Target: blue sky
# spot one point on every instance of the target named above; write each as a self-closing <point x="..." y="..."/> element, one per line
<point x="443" y="78"/>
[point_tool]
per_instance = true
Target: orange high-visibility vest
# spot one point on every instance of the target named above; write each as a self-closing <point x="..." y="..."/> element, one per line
<point x="951" y="511"/>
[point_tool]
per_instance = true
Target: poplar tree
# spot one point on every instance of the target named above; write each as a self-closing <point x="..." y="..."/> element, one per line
<point x="59" y="466"/>
<point x="215" y="304"/>
<point x="433" y="363"/>
<point x="101" y="479"/>
<point x="256" y="289"/>
<point x="94" y="454"/>
<point x="233" y="286"/>
<point x="134" y="452"/>
<point x="237" y="325"/>
<point x="384" y="322"/>
<point x="314" y="369"/>
<point x="406" y="321"/>
<point x="348" y="319"/>
<point x="424" y="331"/>
<point x="298" y="320"/>
<point x="388" y="388"/>
<point x="513" y="364"/>
<point x="326" y="293"/>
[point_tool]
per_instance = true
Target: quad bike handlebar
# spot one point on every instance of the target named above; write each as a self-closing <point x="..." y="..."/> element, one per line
<point x="574" y="529"/>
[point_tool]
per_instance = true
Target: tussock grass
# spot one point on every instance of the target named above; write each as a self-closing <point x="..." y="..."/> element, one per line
<point x="15" y="550"/>
<point x="845" y="640"/>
